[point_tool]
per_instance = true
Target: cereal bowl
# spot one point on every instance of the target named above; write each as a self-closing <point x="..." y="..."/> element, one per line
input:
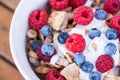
<point x="66" y="40"/>
<point x="18" y="30"/>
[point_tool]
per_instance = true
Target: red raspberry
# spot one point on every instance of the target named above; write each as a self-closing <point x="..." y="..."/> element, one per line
<point x="112" y="6"/>
<point x="76" y="3"/>
<point x="59" y="4"/>
<point x="83" y="15"/>
<point x="44" y="57"/>
<point x="54" y="74"/>
<point x="115" y="22"/>
<point x="119" y="34"/>
<point x="37" y="19"/>
<point x="75" y="43"/>
<point x="104" y="63"/>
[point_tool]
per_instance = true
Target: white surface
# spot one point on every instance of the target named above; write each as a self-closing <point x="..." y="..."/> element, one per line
<point x="18" y="30"/>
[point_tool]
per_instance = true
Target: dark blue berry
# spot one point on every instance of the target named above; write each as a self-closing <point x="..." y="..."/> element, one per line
<point x="111" y="34"/>
<point x="110" y="49"/>
<point x="95" y="76"/>
<point x="46" y="30"/>
<point x="35" y="44"/>
<point x="47" y="49"/>
<point x="100" y="14"/>
<point x="87" y="67"/>
<point x="79" y="59"/>
<point x="62" y="37"/>
<point x="94" y="32"/>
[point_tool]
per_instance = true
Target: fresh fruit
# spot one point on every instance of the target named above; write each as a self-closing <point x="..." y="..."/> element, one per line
<point x="94" y="32"/>
<point x="111" y="34"/>
<point x="104" y="63"/>
<point x="47" y="49"/>
<point x="112" y="6"/>
<point x="100" y="14"/>
<point x="110" y="49"/>
<point x="46" y="30"/>
<point x="76" y="3"/>
<point x="79" y="59"/>
<point x="83" y="15"/>
<point x="54" y="74"/>
<point x="118" y="34"/>
<point x="59" y="4"/>
<point x="75" y="43"/>
<point x="87" y="67"/>
<point x="115" y="22"/>
<point x="42" y="56"/>
<point x="94" y="76"/>
<point x="37" y="19"/>
<point x="35" y="44"/>
<point x="62" y="37"/>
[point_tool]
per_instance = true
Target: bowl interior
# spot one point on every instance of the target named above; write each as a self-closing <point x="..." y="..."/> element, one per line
<point x="18" y="30"/>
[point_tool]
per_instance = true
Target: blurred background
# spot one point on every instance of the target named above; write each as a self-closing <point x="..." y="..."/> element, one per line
<point x="8" y="70"/>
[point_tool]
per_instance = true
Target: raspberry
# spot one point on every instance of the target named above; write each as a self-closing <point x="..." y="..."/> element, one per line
<point x="54" y="74"/>
<point x="37" y="19"/>
<point x="112" y="6"/>
<point x="42" y="56"/>
<point x="115" y="22"/>
<point x="83" y="15"/>
<point x="75" y="43"/>
<point x="76" y="3"/>
<point x="59" y="4"/>
<point x="119" y="34"/>
<point x="104" y="63"/>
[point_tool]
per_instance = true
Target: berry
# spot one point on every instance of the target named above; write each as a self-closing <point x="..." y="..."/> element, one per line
<point x="59" y="4"/>
<point x="54" y="74"/>
<point x="115" y="22"/>
<point x="75" y="43"/>
<point x="62" y="37"/>
<point x="111" y="34"/>
<point x="112" y="6"/>
<point x="46" y="30"/>
<point x="83" y="15"/>
<point x="37" y="19"/>
<point x="110" y="49"/>
<point x="87" y="67"/>
<point x="100" y="14"/>
<point x="35" y="44"/>
<point x="47" y="49"/>
<point x="94" y="32"/>
<point x="42" y="56"/>
<point x="119" y="34"/>
<point x="95" y="76"/>
<point x="76" y="3"/>
<point x="104" y="63"/>
<point x="79" y="59"/>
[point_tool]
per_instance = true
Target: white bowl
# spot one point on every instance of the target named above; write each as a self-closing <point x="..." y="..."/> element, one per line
<point x="18" y="30"/>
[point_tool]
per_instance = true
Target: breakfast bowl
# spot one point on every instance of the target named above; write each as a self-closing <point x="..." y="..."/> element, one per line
<point x="65" y="40"/>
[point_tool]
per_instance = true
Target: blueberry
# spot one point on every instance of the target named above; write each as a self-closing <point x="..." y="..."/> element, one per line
<point x="111" y="34"/>
<point x="79" y="59"/>
<point x="87" y="67"/>
<point x="94" y="32"/>
<point x="47" y="49"/>
<point x="35" y="44"/>
<point x="62" y="37"/>
<point x="110" y="49"/>
<point x="46" y="30"/>
<point x="100" y="14"/>
<point x="95" y="76"/>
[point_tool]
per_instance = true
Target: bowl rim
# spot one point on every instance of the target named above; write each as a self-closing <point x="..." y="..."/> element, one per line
<point x="20" y="69"/>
